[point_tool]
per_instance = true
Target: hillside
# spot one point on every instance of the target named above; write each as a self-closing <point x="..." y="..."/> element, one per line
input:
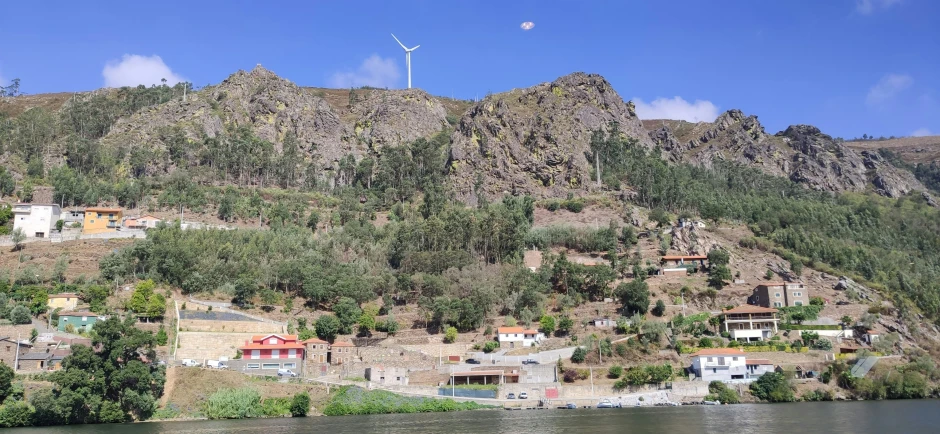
<point x="801" y="153"/>
<point x="913" y="150"/>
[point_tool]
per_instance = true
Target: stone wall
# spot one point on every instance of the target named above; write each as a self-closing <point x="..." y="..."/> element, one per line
<point x="211" y="346"/>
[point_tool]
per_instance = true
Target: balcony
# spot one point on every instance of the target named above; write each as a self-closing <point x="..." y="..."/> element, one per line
<point x="751" y="317"/>
<point x="22" y="209"/>
<point x="748" y="334"/>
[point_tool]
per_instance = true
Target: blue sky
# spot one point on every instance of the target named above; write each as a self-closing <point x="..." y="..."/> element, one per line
<point x="847" y="66"/>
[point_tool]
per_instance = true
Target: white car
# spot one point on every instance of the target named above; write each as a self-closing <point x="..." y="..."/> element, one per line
<point x="523" y="395"/>
<point x="286" y="373"/>
<point x="190" y="362"/>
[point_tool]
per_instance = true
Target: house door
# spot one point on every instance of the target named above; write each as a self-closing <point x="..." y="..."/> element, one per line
<point x="512" y="345"/>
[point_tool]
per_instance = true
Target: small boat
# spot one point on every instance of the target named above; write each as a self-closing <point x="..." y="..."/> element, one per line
<point x="605" y="404"/>
<point x="569" y="406"/>
<point x="672" y="404"/>
<point x="711" y="402"/>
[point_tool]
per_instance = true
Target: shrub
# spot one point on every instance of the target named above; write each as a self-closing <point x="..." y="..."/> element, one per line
<point x="772" y="387"/>
<point x="817" y="301"/>
<point x="659" y="309"/>
<point x="300" y="405"/>
<point x="705" y="342"/>
<point x="547" y="324"/>
<point x="450" y="335"/>
<point x="490" y="346"/>
<point x="161" y="336"/>
<point x="570" y="375"/>
<point x="20" y="315"/>
<point x="615" y="371"/>
<point x="574" y="206"/>
<point x="578" y="355"/>
<point x="234" y="404"/>
<point x="718" y="391"/>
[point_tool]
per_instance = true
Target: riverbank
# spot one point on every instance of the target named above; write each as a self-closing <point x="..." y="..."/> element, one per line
<point x="352" y="400"/>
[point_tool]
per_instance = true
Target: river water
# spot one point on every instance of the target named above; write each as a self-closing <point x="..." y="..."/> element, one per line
<point x="801" y="418"/>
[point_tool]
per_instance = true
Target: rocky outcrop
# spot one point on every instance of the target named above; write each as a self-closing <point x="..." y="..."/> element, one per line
<point x="534" y="140"/>
<point x="801" y="153"/>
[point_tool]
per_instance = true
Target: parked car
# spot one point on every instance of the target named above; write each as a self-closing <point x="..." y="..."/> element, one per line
<point x="190" y="362"/>
<point x="530" y="362"/>
<point x="571" y="406"/>
<point x="511" y="396"/>
<point x="472" y="362"/>
<point x="216" y="364"/>
<point x="286" y="373"/>
<point x="523" y="395"/>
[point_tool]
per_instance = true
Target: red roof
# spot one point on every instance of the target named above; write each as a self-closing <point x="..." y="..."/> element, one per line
<point x="530" y="332"/>
<point x="746" y="308"/>
<point x="64" y="295"/>
<point x="508" y="330"/>
<point x="314" y="341"/>
<point x="282" y="337"/>
<point x="677" y="257"/>
<point x="343" y="344"/>
<point x="272" y="347"/>
<point x="719" y="352"/>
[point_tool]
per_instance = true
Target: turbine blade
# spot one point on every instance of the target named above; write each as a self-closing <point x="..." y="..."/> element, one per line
<point x="399" y="43"/>
<point x="415" y="48"/>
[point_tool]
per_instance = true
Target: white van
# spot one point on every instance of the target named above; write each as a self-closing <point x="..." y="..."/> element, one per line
<point x="190" y="362"/>
<point x="216" y="364"/>
<point x="286" y="373"/>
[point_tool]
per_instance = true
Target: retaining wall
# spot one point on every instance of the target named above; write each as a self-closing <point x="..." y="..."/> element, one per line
<point x="200" y="325"/>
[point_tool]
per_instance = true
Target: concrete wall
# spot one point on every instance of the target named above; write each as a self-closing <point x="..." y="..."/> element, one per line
<point x="202" y="345"/>
<point x="199" y="325"/>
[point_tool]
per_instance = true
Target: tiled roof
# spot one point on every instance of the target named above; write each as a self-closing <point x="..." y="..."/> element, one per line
<point x="64" y="295"/>
<point x="342" y="344"/>
<point x="759" y="362"/>
<point x="530" y="332"/>
<point x="272" y="347"/>
<point x="61" y="314"/>
<point x="36" y="356"/>
<point x="746" y="308"/>
<point x="314" y="341"/>
<point x="282" y="337"/>
<point x="719" y="352"/>
<point x="677" y="257"/>
<point x="103" y="209"/>
<point x="507" y="330"/>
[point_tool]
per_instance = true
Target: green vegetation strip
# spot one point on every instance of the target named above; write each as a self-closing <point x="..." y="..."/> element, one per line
<point x="355" y="400"/>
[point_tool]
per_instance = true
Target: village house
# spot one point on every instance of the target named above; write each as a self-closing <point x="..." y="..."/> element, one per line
<point x="143" y="222"/>
<point x="515" y="337"/>
<point x="780" y="294"/>
<point x="9" y="348"/>
<point x="681" y="264"/>
<point x="272" y="351"/>
<point x="758" y="367"/>
<point x="871" y="336"/>
<point x="720" y="364"/>
<point x="35" y="220"/>
<point x="341" y="352"/>
<point x="317" y="350"/>
<point x="387" y="376"/>
<point x="689" y="223"/>
<point x="65" y="300"/>
<point x="80" y="321"/>
<point x="749" y="323"/>
<point x="604" y="323"/>
<point x="73" y="216"/>
<point x="484" y="376"/>
<point x="99" y="220"/>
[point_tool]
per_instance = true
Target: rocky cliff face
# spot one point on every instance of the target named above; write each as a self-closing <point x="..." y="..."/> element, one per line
<point x="273" y="106"/>
<point x="801" y="152"/>
<point x="534" y="140"/>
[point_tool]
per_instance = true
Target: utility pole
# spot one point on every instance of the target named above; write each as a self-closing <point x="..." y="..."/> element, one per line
<point x="597" y="167"/>
<point x="16" y="356"/>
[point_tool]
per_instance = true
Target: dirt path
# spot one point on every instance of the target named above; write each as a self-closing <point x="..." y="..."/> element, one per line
<point x="169" y="385"/>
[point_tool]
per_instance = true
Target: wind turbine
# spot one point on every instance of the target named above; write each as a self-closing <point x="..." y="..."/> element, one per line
<point x="407" y="57"/>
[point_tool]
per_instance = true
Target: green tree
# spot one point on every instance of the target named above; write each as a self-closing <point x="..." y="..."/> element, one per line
<point x="300" y="404"/>
<point x="547" y="324"/>
<point x="17" y="236"/>
<point x="20" y="315"/>
<point x="450" y="335"/>
<point x="718" y="275"/>
<point x="579" y="355"/>
<point x="660" y="216"/>
<point x="6" y="381"/>
<point x="615" y="371"/>
<point x="772" y="387"/>
<point x="327" y="327"/>
<point x="161" y="337"/>
<point x="565" y="324"/>
<point x="366" y="322"/>
<point x="634" y="297"/>
<point x="313" y="220"/>
<point x="660" y="308"/>
<point x="347" y="311"/>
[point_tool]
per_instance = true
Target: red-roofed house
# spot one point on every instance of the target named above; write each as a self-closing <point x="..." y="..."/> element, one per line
<point x="513" y="337"/>
<point x="273" y="347"/>
<point x="748" y="322"/>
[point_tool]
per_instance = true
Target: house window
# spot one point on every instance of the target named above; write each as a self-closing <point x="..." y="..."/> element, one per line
<point x="797" y="294"/>
<point x="798" y="303"/>
<point x="255" y="354"/>
<point x="275" y="354"/>
<point x="291" y="353"/>
<point x="714" y="370"/>
<point x="709" y="360"/>
<point x="270" y="366"/>
<point x="778" y="304"/>
<point x="253" y="366"/>
<point x="290" y="365"/>
<point x="734" y="359"/>
<point x="272" y="341"/>
<point x="92" y="220"/>
<point x="777" y="294"/>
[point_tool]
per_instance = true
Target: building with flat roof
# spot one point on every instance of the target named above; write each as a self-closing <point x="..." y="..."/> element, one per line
<point x="36" y="220"/>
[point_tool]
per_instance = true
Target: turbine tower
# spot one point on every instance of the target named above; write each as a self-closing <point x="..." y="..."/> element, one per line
<point x="407" y="57"/>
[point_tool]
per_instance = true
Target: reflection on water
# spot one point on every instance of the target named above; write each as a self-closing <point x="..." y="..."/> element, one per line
<point x="838" y="417"/>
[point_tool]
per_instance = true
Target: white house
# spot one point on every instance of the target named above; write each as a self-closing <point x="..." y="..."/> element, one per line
<point x="721" y="364"/>
<point x="871" y="337"/>
<point x="36" y="220"/>
<point x="513" y="337"/>
<point x="758" y="367"/>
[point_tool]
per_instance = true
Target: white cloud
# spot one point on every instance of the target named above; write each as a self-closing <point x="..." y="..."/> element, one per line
<point x="921" y="132"/>
<point x="134" y="69"/>
<point x="676" y="108"/>
<point x="867" y="7"/>
<point x="374" y="71"/>
<point x="888" y="87"/>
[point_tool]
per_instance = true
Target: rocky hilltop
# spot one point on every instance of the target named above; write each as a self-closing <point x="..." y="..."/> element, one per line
<point x="801" y="152"/>
<point x="272" y="107"/>
<point x="534" y="140"/>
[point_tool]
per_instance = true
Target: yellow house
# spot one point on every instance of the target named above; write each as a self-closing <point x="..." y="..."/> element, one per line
<point x="98" y="220"/>
<point x="65" y="301"/>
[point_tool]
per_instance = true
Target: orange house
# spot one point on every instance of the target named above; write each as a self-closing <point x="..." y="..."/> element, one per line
<point x="99" y="220"/>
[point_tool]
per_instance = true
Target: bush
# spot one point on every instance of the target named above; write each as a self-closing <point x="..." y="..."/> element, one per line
<point x="772" y="387"/>
<point x="490" y="346"/>
<point x="450" y="335"/>
<point x="818" y="395"/>
<point x="574" y="206"/>
<point x="161" y="336"/>
<point x="718" y="391"/>
<point x="300" y="405"/>
<point x="356" y="401"/>
<point x="659" y="309"/>
<point x="20" y="315"/>
<point x="570" y="375"/>
<point x="578" y="355"/>
<point x="615" y="371"/>
<point x="547" y="325"/>
<point x="234" y="404"/>
<point x="705" y="343"/>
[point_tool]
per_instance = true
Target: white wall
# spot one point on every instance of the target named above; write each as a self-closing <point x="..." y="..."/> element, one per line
<point x="39" y="218"/>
